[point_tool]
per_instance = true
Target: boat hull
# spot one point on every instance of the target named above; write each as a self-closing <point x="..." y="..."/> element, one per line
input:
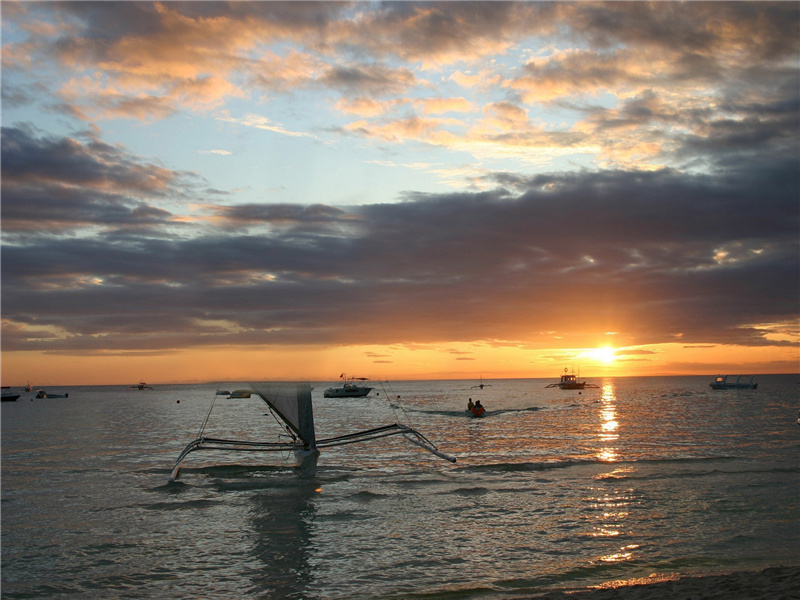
<point x="349" y="392"/>
<point x="733" y="386"/>
<point x="721" y="383"/>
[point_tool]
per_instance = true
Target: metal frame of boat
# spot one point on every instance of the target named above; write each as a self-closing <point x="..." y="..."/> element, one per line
<point x="721" y="383"/>
<point x="291" y="405"/>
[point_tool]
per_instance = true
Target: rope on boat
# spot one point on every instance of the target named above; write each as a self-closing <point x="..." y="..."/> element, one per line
<point x="399" y="404"/>
<point x="208" y="416"/>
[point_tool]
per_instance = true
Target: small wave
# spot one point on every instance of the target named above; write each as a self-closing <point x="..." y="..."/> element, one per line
<point x="528" y="466"/>
<point x="190" y="505"/>
<point x="473" y="491"/>
<point x="367" y="496"/>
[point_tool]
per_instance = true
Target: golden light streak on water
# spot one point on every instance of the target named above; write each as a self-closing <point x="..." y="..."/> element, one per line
<point x="608" y="424"/>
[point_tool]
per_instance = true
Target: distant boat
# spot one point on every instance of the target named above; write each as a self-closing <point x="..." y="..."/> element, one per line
<point x="8" y="395"/>
<point x="29" y="387"/>
<point x="569" y="381"/>
<point x="141" y="386"/>
<point x="481" y="385"/>
<point x="42" y="394"/>
<point x="349" y="389"/>
<point x="721" y="383"/>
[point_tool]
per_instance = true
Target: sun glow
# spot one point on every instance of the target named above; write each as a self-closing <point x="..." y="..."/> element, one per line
<point x="606" y="354"/>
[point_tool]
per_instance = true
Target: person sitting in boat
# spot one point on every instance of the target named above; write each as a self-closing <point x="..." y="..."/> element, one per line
<point x="470" y="404"/>
<point x="478" y="409"/>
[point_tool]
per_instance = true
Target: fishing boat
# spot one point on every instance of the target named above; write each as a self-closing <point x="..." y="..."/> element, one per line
<point x="42" y="394"/>
<point x="348" y="389"/>
<point x="721" y="383"/>
<point x="290" y="404"/>
<point x="140" y="386"/>
<point x="481" y="385"/>
<point x="569" y="381"/>
<point x="8" y="395"/>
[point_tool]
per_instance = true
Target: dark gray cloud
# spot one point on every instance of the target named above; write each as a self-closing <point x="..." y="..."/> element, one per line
<point x="663" y="256"/>
<point x="96" y="259"/>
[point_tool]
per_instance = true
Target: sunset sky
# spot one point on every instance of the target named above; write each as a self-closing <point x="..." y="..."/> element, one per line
<point x="227" y="191"/>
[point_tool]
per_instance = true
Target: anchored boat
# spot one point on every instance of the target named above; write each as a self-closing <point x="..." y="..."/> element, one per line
<point x="8" y="395"/>
<point x="721" y="383"/>
<point x="348" y="389"/>
<point x="569" y="381"/>
<point x="290" y="404"/>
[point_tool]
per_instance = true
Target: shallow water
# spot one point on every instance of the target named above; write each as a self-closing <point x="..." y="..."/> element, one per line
<point x="552" y="490"/>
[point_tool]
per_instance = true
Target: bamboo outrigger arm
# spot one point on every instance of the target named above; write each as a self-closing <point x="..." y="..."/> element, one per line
<point x="208" y="443"/>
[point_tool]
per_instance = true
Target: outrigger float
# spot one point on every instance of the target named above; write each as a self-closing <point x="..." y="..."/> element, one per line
<point x="291" y="404"/>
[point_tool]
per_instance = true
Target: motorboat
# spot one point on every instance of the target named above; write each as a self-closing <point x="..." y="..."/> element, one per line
<point x="140" y="386"/>
<point x="8" y="395"/>
<point x="348" y="389"/>
<point x="742" y="382"/>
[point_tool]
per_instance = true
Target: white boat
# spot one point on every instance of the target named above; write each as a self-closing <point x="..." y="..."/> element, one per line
<point x="721" y="383"/>
<point x="349" y="389"/>
<point x="8" y="395"/>
<point x="290" y="404"/>
<point x="141" y="386"/>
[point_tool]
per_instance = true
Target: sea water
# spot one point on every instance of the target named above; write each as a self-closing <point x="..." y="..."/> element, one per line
<point x="553" y="489"/>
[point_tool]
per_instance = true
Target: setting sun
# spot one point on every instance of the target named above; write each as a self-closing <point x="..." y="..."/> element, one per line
<point x="606" y="355"/>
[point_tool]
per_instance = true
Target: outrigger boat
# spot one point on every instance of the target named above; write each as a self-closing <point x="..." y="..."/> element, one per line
<point x="570" y="382"/>
<point x="721" y="383"/>
<point x="290" y="404"/>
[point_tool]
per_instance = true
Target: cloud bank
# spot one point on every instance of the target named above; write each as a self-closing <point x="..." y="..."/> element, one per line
<point x="684" y="227"/>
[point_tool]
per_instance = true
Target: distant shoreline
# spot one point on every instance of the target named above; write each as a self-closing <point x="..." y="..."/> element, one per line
<point x="487" y="380"/>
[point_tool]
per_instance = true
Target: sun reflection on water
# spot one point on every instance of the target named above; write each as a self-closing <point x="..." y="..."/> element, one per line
<point x="608" y="424"/>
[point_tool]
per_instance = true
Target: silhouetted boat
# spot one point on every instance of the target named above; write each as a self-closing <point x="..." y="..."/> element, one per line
<point x="290" y="404"/>
<point x="569" y="381"/>
<point x="721" y="383"/>
<point x="349" y="389"/>
<point x="8" y="395"/>
<point x="42" y="394"/>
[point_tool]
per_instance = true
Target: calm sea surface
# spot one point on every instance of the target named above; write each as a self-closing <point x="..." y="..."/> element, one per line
<point x="552" y="490"/>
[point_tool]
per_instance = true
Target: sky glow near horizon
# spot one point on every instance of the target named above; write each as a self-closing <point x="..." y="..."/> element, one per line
<point x="201" y="191"/>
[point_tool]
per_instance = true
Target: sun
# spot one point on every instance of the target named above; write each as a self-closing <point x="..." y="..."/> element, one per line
<point x="606" y="354"/>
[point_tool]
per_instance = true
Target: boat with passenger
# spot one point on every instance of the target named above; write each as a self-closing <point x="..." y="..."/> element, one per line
<point x="721" y="383"/>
